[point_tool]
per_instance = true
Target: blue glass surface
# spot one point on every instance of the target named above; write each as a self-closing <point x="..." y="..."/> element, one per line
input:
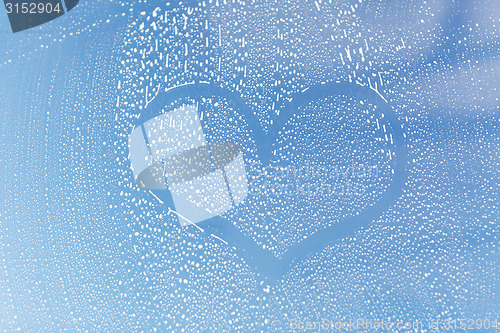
<point x="371" y="140"/>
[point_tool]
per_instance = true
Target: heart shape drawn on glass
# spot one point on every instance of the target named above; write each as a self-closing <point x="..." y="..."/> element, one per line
<point x="256" y="256"/>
